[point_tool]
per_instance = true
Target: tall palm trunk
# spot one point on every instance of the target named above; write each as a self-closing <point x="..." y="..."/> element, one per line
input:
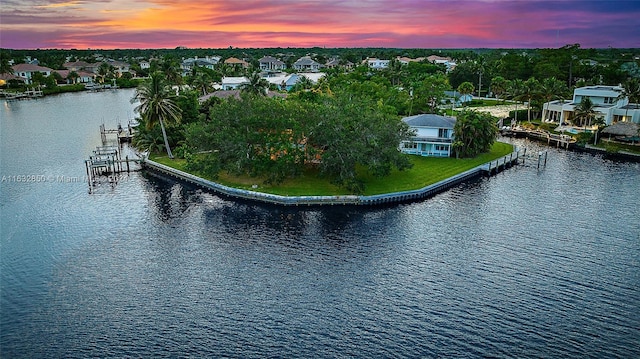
<point x="166" y="140"/>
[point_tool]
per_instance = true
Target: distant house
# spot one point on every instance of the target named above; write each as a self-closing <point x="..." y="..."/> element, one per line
<point x="333" y="63"/>
<point x="233" y="83"/>
<point x="81" y="66"/>
<point x="433" y="135"/>
<point x="283" y="81"/>
<point x="236" y="62"/>
<point x="119" y="66"/>
<point x="269" y="63"/>
<point x="206" y="62"/>
<point x="406" y="60"/>
<point x="606" y="104"/>
<point x="306" y="63"/>
<point x="26" y="71"/>
<point x="446" y="61"/>
<point x="376" y="64"/>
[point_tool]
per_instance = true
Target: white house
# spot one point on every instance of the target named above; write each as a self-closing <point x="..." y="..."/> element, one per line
<point x="606" y="103"/>
<point x="233" y="83"/>
<point x="283" y="81"/>
<point x="377" y="64"/>
<point x="433" y="135"/>
<point x="26" y="71"/>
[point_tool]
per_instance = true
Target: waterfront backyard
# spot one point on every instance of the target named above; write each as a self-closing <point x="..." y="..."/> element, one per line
<point x="425" y="171"/>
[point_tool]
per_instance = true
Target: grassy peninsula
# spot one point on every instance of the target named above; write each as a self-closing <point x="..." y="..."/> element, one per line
<point x="425" y="171"/>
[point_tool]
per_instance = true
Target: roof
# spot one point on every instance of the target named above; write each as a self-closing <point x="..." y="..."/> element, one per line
<point x="622" y="129"/>
<point x="430" y="120"/>
<point x="233" y="60"/>
<point x="235" y="80"/>
<point x="29" y="68"/>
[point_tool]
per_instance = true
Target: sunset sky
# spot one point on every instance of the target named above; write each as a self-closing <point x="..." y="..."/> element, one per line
<point x="108" y="24"/>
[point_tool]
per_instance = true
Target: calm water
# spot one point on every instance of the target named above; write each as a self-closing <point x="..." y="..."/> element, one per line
<point x="523" y="264"/>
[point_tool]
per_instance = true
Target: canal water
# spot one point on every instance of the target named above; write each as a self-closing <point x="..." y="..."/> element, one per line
<point x="528" y="263"/>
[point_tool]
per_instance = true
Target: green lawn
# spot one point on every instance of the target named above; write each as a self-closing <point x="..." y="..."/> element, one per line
<point x="425" y="171"/>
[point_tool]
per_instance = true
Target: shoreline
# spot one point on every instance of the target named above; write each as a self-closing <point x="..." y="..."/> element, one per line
<point x="488" y="168"/>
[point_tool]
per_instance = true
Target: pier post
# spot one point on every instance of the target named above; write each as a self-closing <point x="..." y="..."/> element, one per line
<point x="545" y="158"/>
<point x="127" y="158"/>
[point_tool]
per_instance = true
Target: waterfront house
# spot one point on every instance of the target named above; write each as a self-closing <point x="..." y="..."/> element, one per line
<point x="270" y="63"/>
<point x="606" y="103"/>
<point x="433" y="135"/>
<point x="26" y="71"/>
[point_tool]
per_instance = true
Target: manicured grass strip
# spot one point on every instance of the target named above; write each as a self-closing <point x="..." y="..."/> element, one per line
<point x="425" y="171"/>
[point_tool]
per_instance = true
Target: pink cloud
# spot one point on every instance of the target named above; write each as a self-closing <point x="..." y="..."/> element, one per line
<point x="331" y="23"/>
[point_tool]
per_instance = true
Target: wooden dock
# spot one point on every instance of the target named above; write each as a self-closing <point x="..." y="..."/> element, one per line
<point x="106" y="162"/>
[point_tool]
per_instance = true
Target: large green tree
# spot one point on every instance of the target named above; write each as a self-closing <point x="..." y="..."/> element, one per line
<point x="474" y="133"/>
<point x="157" y="105"/>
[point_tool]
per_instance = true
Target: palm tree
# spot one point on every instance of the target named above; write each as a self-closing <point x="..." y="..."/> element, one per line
<point x="256" y="86"/>
<point x="104" y="70"/>
<point x="465" y="88"/>
<point x="551" y="89"/>
<point x="157" y="104"/>
<point x="499" y="86"/>
<point x="73" y="76"/>
<point x="530" y="90"/>
<point x="585" y="112"/>
<point x="630" y="91"/>
<point x="516" y="90"/>
<point x="479" y="67"/>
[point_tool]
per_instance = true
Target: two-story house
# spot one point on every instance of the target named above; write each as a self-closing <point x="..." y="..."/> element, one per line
<point x="433" y="135"/>
<point x="306" y="63"/>
<point x="606" y="102"/>
<point x="270" y="63"/>
<point x="26" y="71"/>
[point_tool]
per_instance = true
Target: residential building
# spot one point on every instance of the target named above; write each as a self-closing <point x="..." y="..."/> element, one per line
<point x="236" y="62"/>
<point x="376" y="64"/>
<point x="446" y="61"/>
<point x="233" y="83"/>
<point x="306" y="63"/>
<point x="433" y="135"/>
<point x="606" y="103"/>
<point x="207" y="62"/>
<point x="406" y="60"/>
<point x="26" y="71"/>
<point x="269" y="63"/>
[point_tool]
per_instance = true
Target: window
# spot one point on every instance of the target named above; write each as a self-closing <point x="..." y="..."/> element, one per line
<point x="441" y="148"/>
<point x="443" y="132"/>
<point x="609" y="100"/>
<point x="410" y="145"/>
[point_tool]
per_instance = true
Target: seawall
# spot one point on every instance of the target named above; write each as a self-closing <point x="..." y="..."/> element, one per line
<point x="488" y="168"/>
